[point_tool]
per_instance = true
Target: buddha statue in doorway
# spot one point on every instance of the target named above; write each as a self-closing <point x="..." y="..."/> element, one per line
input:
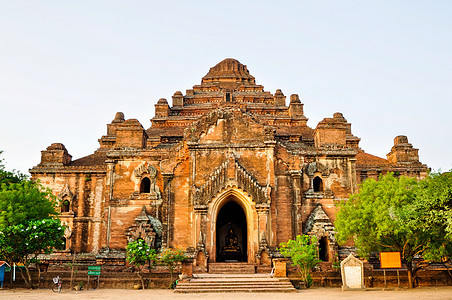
<point x="231" y="250"/>
<point x="231" y="240"/>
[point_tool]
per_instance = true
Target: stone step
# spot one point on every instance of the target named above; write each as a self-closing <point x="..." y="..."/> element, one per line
<point x="230" y="263"/>
<point x="248" y="290"/>
<point x="220" y="283"/>
<point x="232" y="271"/>
<point x="235" y="283"/>
<point x="229" y="288"/>
<point x="251" y="277"/>
<point x="238" y="280"/>
<point x="219" y="286"/>
<point x="232" y="268"/>
<point x="235" y="287"/>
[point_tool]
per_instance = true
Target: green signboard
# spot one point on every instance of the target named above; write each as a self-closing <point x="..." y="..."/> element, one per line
<point x="94" y="270"/>
<point x="93" y="273"/>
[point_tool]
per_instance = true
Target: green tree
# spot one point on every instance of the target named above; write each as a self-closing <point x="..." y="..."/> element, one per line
<point x="25" y="201"/>
<point x="303" y="253"/>
<point x="171" y="258"/>
<point x="378" y="218"/>
<point x="23" y="243"/>
<point x="138" y="253"/>
<point x="434" y="200"/>
<point x="431" y="212"/>
<point x="7" y="177"/>
<point x="27" y="221"/>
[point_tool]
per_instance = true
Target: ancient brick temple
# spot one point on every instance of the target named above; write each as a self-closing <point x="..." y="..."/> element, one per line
<point x="227" y="172"/>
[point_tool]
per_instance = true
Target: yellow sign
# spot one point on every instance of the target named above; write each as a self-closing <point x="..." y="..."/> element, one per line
<point x="390" y="260"/>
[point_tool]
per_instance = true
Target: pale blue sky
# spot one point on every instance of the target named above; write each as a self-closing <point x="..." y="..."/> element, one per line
<point x="67" y="67"/>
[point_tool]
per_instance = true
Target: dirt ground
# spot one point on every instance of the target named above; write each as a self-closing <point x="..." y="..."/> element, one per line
<point x="313" y="293"/>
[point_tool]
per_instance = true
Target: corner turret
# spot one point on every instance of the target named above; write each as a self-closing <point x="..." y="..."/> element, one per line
<point x="403" y="152"/>
<point x="55" y="155"/>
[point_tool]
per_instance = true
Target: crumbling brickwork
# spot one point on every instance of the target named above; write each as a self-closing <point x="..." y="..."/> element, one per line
<point x="226" y="140"/>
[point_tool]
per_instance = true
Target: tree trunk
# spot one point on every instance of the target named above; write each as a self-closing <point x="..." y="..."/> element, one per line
<point x="409" y="267"/>
<point x="72" y="271"/>
<point x="447" y="268"/>
<point x="410" y="279"/>
<point x="27" y="279"/>
<point x="307" y="279"/>
<point x="22" y="275"/>
<point x="141" y="278"/>
<point x="39" y="274"/>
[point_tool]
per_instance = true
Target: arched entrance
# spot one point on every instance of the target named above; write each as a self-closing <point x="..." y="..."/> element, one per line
<point x="231" y="232"/>
<point x="323" y="249"/>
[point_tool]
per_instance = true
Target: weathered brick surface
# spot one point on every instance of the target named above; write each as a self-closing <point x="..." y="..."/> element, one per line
<point x="284" y="208"/>
<point x="280" y="266"/>
<point x="181" y="222"/>
<point x="224" y="140"/>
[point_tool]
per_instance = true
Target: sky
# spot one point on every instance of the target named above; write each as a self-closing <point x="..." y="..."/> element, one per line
<point x="66" y="67"/>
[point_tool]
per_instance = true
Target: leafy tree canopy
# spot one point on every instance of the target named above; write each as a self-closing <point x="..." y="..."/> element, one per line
<point x="7" y="177"/>
<point x="303" y="253"/>
<point x="28" y="225"/>
<point x="138" y="253"/>
<point x="431" y="212"/>
<point x="397" y="214"/>
<point x="170" y="258"/>
<point x="41" y="236"/>
<point x="370" y="215"/>
<point x="23" y="243"/>
<point x="25" y="201"/>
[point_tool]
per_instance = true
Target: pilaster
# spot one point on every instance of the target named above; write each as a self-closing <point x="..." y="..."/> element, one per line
<point x="296" y="208"/>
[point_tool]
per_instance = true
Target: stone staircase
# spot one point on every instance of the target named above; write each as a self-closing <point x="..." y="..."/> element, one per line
<point x="234" y="277"/>
<point x="231" y="268"/>
<point x="230" y="283"/>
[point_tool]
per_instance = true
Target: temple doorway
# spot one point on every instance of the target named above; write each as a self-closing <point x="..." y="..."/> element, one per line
<point x="323" y="249"/>
<point x="231" y="233"/>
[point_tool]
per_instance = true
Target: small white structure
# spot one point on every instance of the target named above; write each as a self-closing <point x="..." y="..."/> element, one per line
<point x="352" y="271"/>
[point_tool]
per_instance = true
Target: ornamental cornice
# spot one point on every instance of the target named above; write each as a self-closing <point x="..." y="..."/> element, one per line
<point x="340" y="152"/>
<point x="68" y="170"/>
<point x="195" y="145"/>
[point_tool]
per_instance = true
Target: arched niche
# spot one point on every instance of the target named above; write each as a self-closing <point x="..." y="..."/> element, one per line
<point x="317" y="184"/>
<point x="65" y="205"/>
<point x="145" y="185"/>
<point x="324" y="249"/>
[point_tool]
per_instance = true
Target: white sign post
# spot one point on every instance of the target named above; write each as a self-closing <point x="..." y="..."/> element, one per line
<point x="352" y="271"/>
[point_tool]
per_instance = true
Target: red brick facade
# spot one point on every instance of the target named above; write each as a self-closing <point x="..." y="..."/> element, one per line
<point x="226" y="155"/>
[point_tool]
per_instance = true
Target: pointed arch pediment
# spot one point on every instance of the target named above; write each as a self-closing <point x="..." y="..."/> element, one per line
<point x="319" y="224"/>
<point x="66" y="197"/>
<point x="313" y="167"/>
<point x="147" y="228"/>
<point x="219" y="181"/>
<point x="66" y="193"/>
<point x="145" y="168"/>
<point x="228" y="125"/>
<point x="147" y="175"/>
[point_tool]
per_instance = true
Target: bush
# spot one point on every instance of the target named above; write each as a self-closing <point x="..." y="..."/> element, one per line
<point x="303" y="253"/>
<point x="138" y="253"/>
